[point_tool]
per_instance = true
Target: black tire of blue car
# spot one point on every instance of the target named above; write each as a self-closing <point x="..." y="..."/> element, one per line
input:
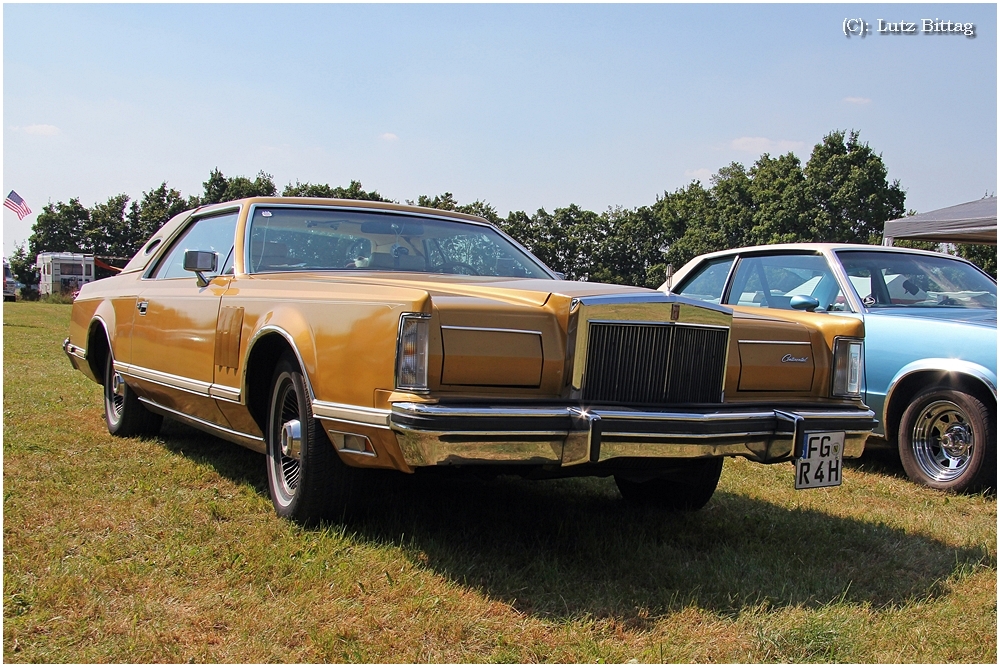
<point x="947" y="440"/>
<point x="312" y="484"/>
<point x="686" y="487"/>
<point x="125" y="416"/>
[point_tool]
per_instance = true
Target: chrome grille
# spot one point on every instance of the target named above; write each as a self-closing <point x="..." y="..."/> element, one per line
<point x="653" y="364"/>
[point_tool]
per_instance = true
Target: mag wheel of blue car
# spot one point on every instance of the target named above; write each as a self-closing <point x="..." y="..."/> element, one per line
<point x="687" y="486"/>
<point x="305" y="476"/>
<point x="947" y="440"/>
<point x="125" y="416"/>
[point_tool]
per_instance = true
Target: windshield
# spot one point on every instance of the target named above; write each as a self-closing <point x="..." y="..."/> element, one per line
<point x="903" y="280"/>
<point x="317" y="239"/>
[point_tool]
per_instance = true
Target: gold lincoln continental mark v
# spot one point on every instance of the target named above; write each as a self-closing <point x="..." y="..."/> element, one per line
<point x="336" y="335"/>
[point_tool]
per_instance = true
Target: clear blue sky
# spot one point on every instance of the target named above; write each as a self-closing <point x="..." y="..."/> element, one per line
<point x="524" y="106"/>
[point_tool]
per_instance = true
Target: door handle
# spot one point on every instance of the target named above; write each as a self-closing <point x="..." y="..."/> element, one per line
<point x="142" y="305"/>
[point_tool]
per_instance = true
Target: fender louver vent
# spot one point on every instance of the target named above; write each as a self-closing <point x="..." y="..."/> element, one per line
<point x="654" y="364"/>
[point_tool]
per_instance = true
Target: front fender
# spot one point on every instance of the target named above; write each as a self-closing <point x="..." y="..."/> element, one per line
<point x="948" y="367"/>
<point x="291" y="325"/>
<point x="346" y="351"/>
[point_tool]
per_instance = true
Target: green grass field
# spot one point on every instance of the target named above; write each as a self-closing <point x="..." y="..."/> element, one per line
<point x="167" y="550"/>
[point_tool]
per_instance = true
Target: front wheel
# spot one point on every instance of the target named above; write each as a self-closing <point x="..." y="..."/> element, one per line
<point x="687" y="487"/>
<point x="123" y="413"/>
<point x="305" y="476"/>
<point x="947" y="440"/>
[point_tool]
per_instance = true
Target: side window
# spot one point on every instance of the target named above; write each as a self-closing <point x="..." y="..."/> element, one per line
<point x="708" y="283"/>
<point x="214" y="234"/>
<point x="771" y="282"/>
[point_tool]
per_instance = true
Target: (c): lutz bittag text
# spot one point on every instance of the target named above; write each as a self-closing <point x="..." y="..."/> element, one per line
<point x="861" y="28"/>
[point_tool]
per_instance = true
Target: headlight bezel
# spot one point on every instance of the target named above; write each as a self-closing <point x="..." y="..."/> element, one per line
<point x="412" y="350"/>
<point x="848" y="371"/>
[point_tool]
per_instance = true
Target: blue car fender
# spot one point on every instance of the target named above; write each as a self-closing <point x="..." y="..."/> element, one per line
<point x="948" y="367"/>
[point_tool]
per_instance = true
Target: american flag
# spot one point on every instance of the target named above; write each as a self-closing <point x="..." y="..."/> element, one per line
<point x="16" y="204"/>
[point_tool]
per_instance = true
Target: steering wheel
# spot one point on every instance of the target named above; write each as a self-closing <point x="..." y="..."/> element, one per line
<point x="359" y="251"/>
<point x="450" y="267"/>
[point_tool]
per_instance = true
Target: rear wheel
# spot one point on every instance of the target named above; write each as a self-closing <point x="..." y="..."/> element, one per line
<point x="305" y="476"/>
<point x="947" y="440"/>
<point x="687" y="487"/>
<point x="123" y="413"/>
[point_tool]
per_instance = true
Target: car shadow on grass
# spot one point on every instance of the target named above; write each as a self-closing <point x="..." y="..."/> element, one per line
<point x="574" y="549"/>
<point x="880" y="460"/>
<point x="884" y="460"/>
<point x="229" y="460"/>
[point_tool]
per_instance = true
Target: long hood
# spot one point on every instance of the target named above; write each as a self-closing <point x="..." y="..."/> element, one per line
<point x="982" y="317"/>
<point x="517" y="291"/>
<point x="905" y="339"/>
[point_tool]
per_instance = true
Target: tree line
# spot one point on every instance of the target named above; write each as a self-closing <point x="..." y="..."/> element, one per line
<point x="115" y="230"/>
<point x="841" y="194"/>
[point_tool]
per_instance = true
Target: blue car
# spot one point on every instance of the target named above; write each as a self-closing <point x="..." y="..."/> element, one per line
<point x="930" y="366"/>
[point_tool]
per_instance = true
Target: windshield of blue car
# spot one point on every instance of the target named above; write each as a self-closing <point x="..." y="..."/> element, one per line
<point x="324" y="239"/>
<point x="909" y="280"/>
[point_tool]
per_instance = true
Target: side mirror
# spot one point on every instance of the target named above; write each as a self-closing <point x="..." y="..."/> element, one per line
<point x="803" y="302"/>
<point x="200" y="261"/>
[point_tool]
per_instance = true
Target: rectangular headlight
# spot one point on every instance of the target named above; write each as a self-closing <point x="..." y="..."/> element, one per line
<point x="411" y="352"/>
<point x="848" y="367"/>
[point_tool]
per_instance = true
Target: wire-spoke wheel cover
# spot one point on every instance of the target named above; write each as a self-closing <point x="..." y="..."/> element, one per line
<point x="114" y="395"/>
<point x="124" y="415"/>
<point x="286" y="470"/>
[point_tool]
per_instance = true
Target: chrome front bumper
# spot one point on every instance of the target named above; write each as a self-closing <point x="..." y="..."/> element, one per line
<point x="434" y="434"/>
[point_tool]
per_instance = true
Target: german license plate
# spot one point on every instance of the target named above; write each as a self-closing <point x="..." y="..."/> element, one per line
<point x="821" y="460"/>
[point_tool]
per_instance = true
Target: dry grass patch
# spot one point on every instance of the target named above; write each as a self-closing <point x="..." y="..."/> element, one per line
<point x="167" y="550"/>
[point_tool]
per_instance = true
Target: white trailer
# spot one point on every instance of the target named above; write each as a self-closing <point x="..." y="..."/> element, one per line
<point x="63" y="272"/>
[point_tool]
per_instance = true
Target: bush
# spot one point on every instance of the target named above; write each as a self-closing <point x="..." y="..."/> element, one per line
<point x="57" y="298"/>
<point x="983" y="256"/>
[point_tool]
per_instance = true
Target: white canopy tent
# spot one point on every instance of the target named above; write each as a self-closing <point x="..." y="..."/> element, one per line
<point x="972" y="222"/>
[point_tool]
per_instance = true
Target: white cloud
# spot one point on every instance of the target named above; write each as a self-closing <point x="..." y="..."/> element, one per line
<point x="702" y="175"/>
<point x="42" y="130"/>
<point x="388" y="136"/>
<point x="765" y="145"/>
<point x="857" y="100"/>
